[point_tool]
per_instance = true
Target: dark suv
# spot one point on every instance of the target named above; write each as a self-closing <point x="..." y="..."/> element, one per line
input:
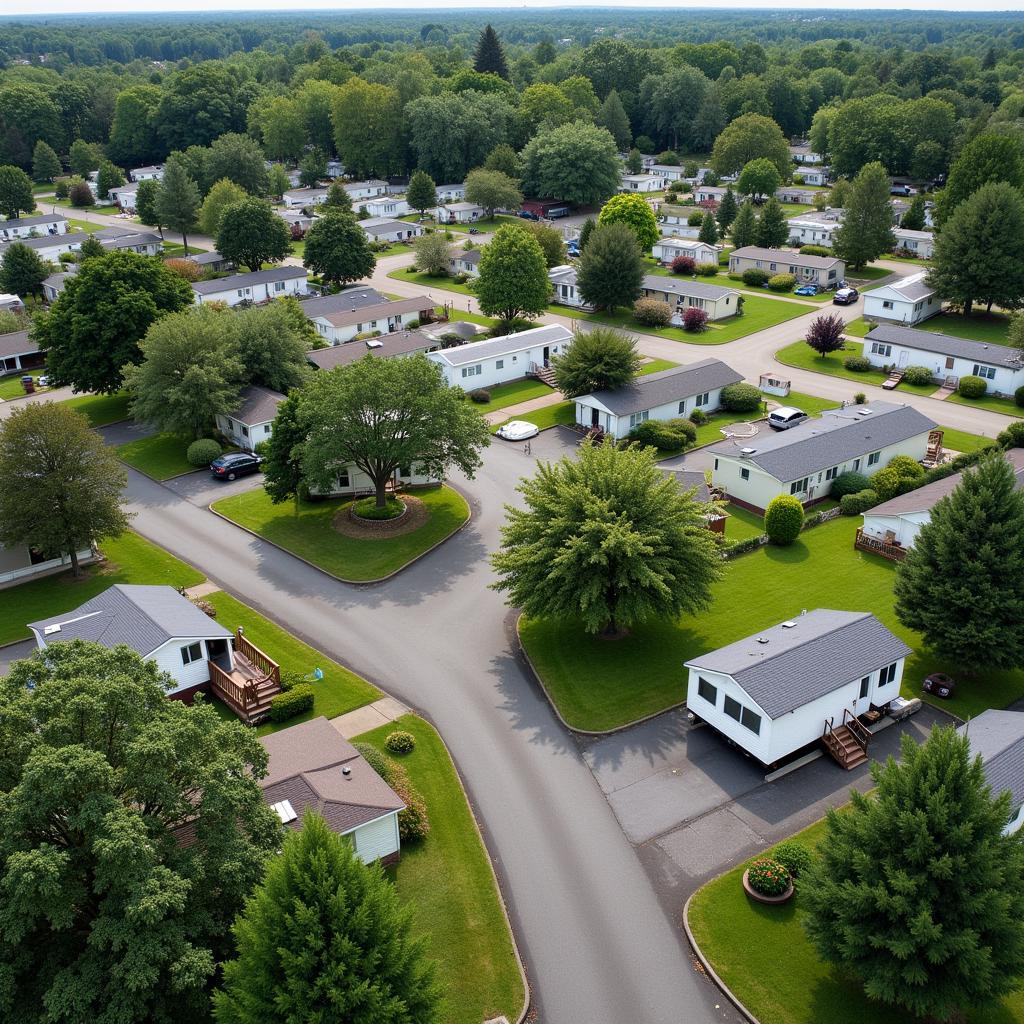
<point x="228" y="467"/>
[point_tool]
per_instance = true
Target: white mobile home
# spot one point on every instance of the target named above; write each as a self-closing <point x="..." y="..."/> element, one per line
<point x="917" y="243"/>
<point x="642" y="183"/>
<point x="666" y="395"/>
<point x="824" y="271"/>
<point x="997" y="737"/>
<point x="669" y="248"/>
<point x="683" y="293"/>
<point x="776" y="692"/>
<point x="253" y="420"/>
<point x="907" y="301"/>
<point x="709" y="193"/>
<point x="566" y="291"/>
<point x="49" y="247"/>
<point x="19" y="564"/>
<point x="345" y="324"/>
<point x="458" y="213"/>
<point x="803" y="154"/>
<point x="261" y="286"/>
<point x="483" y="364"/>
<point x="804" y="460"/>
<point x="19" y="352"/>
<point x="450" y="193"/>
<point x="386" y="206"/>
<point x="360" y="190"/>
<point x="466" y="261"/>
<point x="814" y="175"/>
<point x="33" y="227"/>
<point x="124" y="196"/>
<point x="155" y="172"/>
<point x="667" y="172"/>
<point x="379" y="229"/>
<point x="674" y="221"/>
<point x="302" y="198"/>
<point x="388" y="346"/>
<point x="814" y="228"/>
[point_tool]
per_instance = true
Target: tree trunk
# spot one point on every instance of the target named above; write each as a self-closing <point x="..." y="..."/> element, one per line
<point x="76" y="569"/>
<point x="184" y="242"/>
<point x="381" y="486"/>
<point x="967" y="307"/>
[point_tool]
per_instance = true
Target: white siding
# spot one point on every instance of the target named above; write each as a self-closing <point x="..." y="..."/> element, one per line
<point x="377" y="839"/>
<point x="168" y="659"/>
<point x="245" y="435"/>
<point x="16" y="564"/>
<point x="382" y="325"/>
<point x="619" y="426"/>
<point x="1005" y="381"/>
<point x="353" y="481"/>
<point x="513" y="367"/>
<point x="255" y="293"/>
<point x="891" y="307"/>
<point x="905" y="528"/>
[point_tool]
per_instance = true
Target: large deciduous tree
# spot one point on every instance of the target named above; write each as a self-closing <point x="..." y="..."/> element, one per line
<point x="222" y="194"/>
<point x="607" y="539"/>
<point x="982" y="160"/>
<point x="979" y="254"/>
<point x="759" y="179"/>
<point x="325" y="937"/>
<point x="15" y="192"/>
<point x="109" y="177"/>
<point x="490" y="55"/>
<point x="916" y="890"/>
<point x="108" y="914"/>
<point x="133" y="138"/>
<point x="45" y="163"/>
<point x="272" y="343"/>
<point x="865" y="232"/>
<point x="177" y="203"/>
<point x="337" y="249"/>
<point x="597" y="360"/>
<point x="433" y="252"/>
<point x="93" y="329"/>
<point x="611" y="269"/>
<point x="749" y="137"/>
<point x="251" y="234"/>
<point x="576" y="162"/>
<point x="422" y="192"/>
<point x="368" y="128"/>
<point x="634" y="211"/>
<point x="381" y="414"/>
<point x="238" y="158"/>
<point x="513" y="280"/>
<point x="22" y="272"/>
<point x="962" y="583"/>
<point x="493" y="190"/>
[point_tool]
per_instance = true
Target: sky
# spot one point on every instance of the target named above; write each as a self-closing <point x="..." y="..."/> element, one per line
<point x="42" y="7"/>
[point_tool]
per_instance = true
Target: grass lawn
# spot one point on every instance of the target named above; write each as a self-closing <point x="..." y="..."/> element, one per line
<point x="656" y="366"/>
<point x="742" y="524"/>
<point x="869" y="274"/>
<point x="338" y="692"/>
<point x="129" y="559"/>
<point x="299" y="248"/>
<point x="513" y="393"/>
<point x="160" y="456"/>
<point x="801" y="355"/>
<point x="763" y="954"/>
<point x="916" y="261"/>
<point x="175" y="249"/>
<point x="602" y="684"/>
<point x="992" y="403"/>
<point x="10" y="385"/>
<point x="992" y="328"/>
<point x="857" y="328"/>
<point x="101" y="410"/>
<point x="84" y="225"/>
<point x="563" y="413"/>
<point x="448" y="881"/>
<point x="309" y="532"/>
<point x="429" y="281"/>
<point x="105" y="209"/>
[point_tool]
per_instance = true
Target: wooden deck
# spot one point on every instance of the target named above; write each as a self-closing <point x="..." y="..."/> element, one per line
<point x="863" y="542"/>
<point x="250" y="686"/>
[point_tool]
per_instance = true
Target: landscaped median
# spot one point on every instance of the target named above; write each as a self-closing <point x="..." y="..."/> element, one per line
<point x="308" y="529"/>
<point x="160" y="456"/>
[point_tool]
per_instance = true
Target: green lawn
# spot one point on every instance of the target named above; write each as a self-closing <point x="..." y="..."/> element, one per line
<point x="10" y="385"/>
<point x="448" y="880"/>
<point x="868" y="274"/>
<point x="857" y="328"/>
<point x="428" y="281"/>
<point x="992" y="403"/>
<point x="101" y="410"/>
<point x="763" y="954"/>
<point x="175" y="249"/>
<point x="992" y="328"/>
<point x="959" y="441"/>
<point x="159" y="456"/>
<point x="563" y="413"/>
<point x="309" y="533"/>
<point x="916" y="261"/>
<point x="84" y="225"/>
<point x="801" y="355"/>
<point x="513" y="393"/>
<point x="603" y="684"/>
<point x="656" y="366"/>
<point x="338" y="692"/>
<point x="129" y="559"/>
<point x="105" y="209"/>
<point x="742" y="524"/>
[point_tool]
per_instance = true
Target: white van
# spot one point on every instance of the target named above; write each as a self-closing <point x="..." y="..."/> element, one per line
<point x="786" y="417"/>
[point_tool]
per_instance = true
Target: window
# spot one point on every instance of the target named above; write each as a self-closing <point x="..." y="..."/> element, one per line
<point x="499" y="364"/>
<point x="231" y="423"/>
<point x="472" y="371"/>
<point x="988" y="372"/>
<point x="865" y="684"/>
<point x="886" y="304"/>
<point x="873" y="458"/>
<point x="733" y="708"/>
<point x="856" y="465"/>
<point x="878" y="349"/>
<point x="245" y="431"/>
<point x="682" y="407"/>
<point x="744" y="473"/>
<point x="343" y="480"/>
<point x="279" y="286"/>
<point x="798" y="486"/>
<point x="751" y="721"/>
<point x="707" y="691"/>
<point x="887" y="675"/>
<point x="266" y="428"/>
<point x="831" y="474"/>
<point x="702" y="399"/>
<point x="638" y="417"/>
<point x="191" y="652"/>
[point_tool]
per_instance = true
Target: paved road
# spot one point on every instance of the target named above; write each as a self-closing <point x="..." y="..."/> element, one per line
<point x="599" y="947"/>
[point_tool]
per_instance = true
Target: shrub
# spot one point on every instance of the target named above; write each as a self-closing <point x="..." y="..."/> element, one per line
<point x="782" y="282"/>
<point x="683" y="426"/>
<point x="972" y="387"/>
<point x="815" y="250"/>
<point x="80" y="194"/>
<point x="202" y="452"/>
<point x="734" y="276"/>
<point x="664" y="435"/>
<point x="783" y="519"/>
<point x="289" y="680"/>
<point x="695" y="320"/>
<point x="1018" y="397"/>
<point x="652" y="312"/>
<point x="1012" y="436"/>
<point x="261" y="448"/>
<point x="854" y="504"/>
<point x="859" y="398"/>
<point x="480" y="395"/>
<point x="413" y="822"/>
<point x="917" y="375"/>
<point x="768" y="877"/>
<point x="741" y="398"/>
<point x="695" y="219"/>
<point x="683" y="265"/>
<point x="849" y="483"/>
<point x="741" y="547"/>
<point x="289" y="703"/>
<point x="754" y="277"/>
<point x="367" y="508"/>
<point x="61" y="189"/>
<point x="794" y="857"/>
<point x="897" y="478"/>
<point x="707" y="269"/>
<point x="460" y="278"/>
<point x="400" y="742"/>
<point x="858" y="364"/>
<point x="699" y="417"/>
<point x="185" y="268"/>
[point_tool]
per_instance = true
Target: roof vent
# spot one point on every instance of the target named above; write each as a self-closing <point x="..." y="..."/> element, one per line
<point x="284" y="811"/>
<point x="789" y="624"/>
<point x="762" y="639"/>
<point x="864" y="412"/>
<point x="49" y="630"/>
<point x="371" y="343"/>
<point x="346" y="771"/>
<point x="747" y="451"/>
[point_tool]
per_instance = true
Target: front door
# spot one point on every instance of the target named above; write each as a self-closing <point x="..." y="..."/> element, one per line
<point x="903" y="358"/>
<point x="547" y="353"/>
<point x="949" y="362"/>
<point x="217" y="651"/>
<point x="863" y="703"/>
<point x="595" y="418"/>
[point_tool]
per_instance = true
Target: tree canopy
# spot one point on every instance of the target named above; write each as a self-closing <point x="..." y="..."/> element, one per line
<point x="635" y="212"/>
<point x="751" y="137"/>
<point x="513" y="280"/>
<point x="337" y="249"/>
<point x="611" y="269"/>
<point x="576" y="162"/>
<point x="251" y="234"/>
<point x="493" y="190"/>
<point x="601" y="358"/>
<point x="865" y="232"/>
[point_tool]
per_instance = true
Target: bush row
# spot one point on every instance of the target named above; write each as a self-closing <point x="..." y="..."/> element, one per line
<point x="413" y="822"/>
<point x="291" y="702"/>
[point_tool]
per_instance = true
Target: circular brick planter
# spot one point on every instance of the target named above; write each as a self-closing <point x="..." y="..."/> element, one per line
<point x="384" y="524"/>
<point x="761" y="898"/>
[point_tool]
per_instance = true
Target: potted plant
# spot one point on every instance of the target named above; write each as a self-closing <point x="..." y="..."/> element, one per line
<point x="767" y="881"/>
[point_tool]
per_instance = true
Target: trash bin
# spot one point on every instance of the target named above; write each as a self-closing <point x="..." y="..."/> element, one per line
<point x="28" y="384"/>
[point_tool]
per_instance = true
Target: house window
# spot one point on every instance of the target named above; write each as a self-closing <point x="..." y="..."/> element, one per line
<point x="988" y="372"/>
<point x="245" y="431"/>
<point x="886" y="304"/>
<point x="472" y="371"/>
<point x="887" y="675"/>
<point x="751" y="721"/>
<point x="266" y="428"/>
<point x="878" y="349"/>
<point x="191" y="652"/>
<point x="873" y="458"/>
<point x="682" y="407"/>
<point x="702" y="399"/>
<point x="231" y="423"/>
<point x="744" y="473"/>
<point x="707" y="691"/>
<point x="831" y="474"/>
<point x="343" y="480"/>
<point x="638" y="417"/>
<point x="733" y="708"/>
<point x="856" y="465"/>
<point x="798" y="486"/>
<point x="499" y="364"/>
<point x="865" y="684"/>
<point x="279" y="286"/>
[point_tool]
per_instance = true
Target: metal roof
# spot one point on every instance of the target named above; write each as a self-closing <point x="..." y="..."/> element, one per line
<point x="793" y="663"/>
<point x="401" y="343"/>
<point x="16" y="343"/>
<point x="350" y="298"/>
<point x="685" y="287"/>
<point x="838" y="436"/>
<point x="258" y="405"/>
<point x="380" y="311"/>
<point x="234" y="281"/>
<point x="28" y="222"/>
<point x="380" y="226"/>
<point x="666" y="386"/>
<point x="997" y="737"/>
<point x="47" y="241"/>
<point x="143" y="617"/>
<point x="794" y="259"/>
<point x="550" y="334"/>
<point x="946" y="345"/>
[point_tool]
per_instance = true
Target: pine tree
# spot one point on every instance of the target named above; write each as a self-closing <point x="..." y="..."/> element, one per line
<point x="865" y="232"/>
<point x="772" y="229"/>
<point x="585" y="231"/>
<point x="45" y="163"/>
<point x="490" y="56"/>
<point x="22" y="272"/>
<point x="708" y="229"/>
<point x="422" y="192"/>
<point x="727" y="210"/>
<point x="611" y="269"/>
<point x="338" y="198"/>
<point x="916" y="891"/>
<point x="962" y="583"/>
<point x="177" y="205"/>
<point x="634" y="161"/>
<point x="744" y="227"/>
<point x="612" y="116"/>
<point x="913" y="219"/>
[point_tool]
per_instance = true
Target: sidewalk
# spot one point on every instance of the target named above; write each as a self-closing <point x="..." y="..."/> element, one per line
<point x="511" y="411"/>
<point x="372" y="716"/>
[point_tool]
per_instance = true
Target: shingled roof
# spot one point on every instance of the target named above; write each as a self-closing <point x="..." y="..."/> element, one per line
<point x="947" y="345"/>
<point x="997" y="737"/>
<point x="671" y="385"/>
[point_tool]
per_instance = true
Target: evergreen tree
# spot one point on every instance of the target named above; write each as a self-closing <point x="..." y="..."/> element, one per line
<point x="282" y="465"/>
<point x="251" y="234"/>
<point x="658" y="560"/>
<point x="337" y="198"/>
<point x="708" y="229"/>
<point x="422" y="192"/>
<point x="612" y="116"/>
<point x="772" y="229"/>
<point x="865" y="232"/>
<point x="326" y="938"/>
<point x="585" y="230"/>
<point x="312" y="168"/>
<point x="744" y="227"/>
<point x="177" y="205"/>
<point x="916" y="891"/>
<point x="962" y="583"/>
<point x="634" y="161"/>
<point x="490" y="56"/>
<point x="110" y="176"/>
<point x="22" y="272"/>
<point x="45" y="163"/>
<point x="913" y="219"/>
<point x="337" y="249"/>
<point x="15" y="192"/>
<point x="513" y="280"/>
<point x="599" y="359"/>
<point x="727" y="210"/>
<point x="611" y="269"/>
<point x="147" y="202"/>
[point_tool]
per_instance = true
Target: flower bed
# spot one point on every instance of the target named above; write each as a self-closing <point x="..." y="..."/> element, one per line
<point x="767" y="881"/>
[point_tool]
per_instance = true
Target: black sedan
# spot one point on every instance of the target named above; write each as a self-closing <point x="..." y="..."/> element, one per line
<point x="228" y="467"/>
<point x="845" y="297"/>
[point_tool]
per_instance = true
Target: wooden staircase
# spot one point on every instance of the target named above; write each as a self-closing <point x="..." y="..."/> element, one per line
<point x="547" y="375"/>
<point x="848" y="744"/>
<point x="249" y="688"/>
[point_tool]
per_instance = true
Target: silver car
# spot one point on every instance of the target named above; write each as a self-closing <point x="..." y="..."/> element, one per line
<point x="786" y="417"/>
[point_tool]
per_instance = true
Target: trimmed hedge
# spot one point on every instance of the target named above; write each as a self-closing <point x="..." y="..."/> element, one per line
<point x="858" y="364"/>
<point x="480" y="395"/>
<point x="665" y="435"/>
<point x="972" y="387"/>
<point x="849" y="483"/>
<point x="400" y="742"/>
<point x="202" y="452"/>
<point x="854" y="504"/>
<point x="783" y="519"/>
<point x="755" y="277"/>
<point x="782" y="282"/>
<point x="815" y="250"/>
<point x="901" y="474"/>
<point x="706" y="269"/>
<point x="289" y="703"/>
<point x="741" y="397"/>
<point x="652" y="312"/>
<point x="1012" y="436"/>
<point x="917" y="375"/>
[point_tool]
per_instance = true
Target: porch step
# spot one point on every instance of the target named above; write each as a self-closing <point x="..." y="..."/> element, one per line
<point x="547" y="375"/>
<point x="844" y="748"/>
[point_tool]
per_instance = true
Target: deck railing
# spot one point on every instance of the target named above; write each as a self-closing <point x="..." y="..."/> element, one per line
<point x="248" y="650"/>
<point x="228" y="689"/>
<point x="865" y="542"/>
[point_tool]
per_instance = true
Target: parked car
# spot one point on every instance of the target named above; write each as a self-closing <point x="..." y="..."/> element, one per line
<point x="42" y="381"/>
<point x="939" y="684"/>
<point x="517" y="430"/>
<point x="807" y="289"/>
<point x="528" y="215"/>
<point x="572" y="249"/>
<point x="902" y="190"/>
<point x="845" y="296"/>
<point x="785" y="417"/>
<point x="474" y="231"/>
<point x="228" y="467"/>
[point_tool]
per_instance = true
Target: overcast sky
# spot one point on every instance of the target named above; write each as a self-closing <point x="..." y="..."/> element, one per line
<point x="8" y="7"/>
